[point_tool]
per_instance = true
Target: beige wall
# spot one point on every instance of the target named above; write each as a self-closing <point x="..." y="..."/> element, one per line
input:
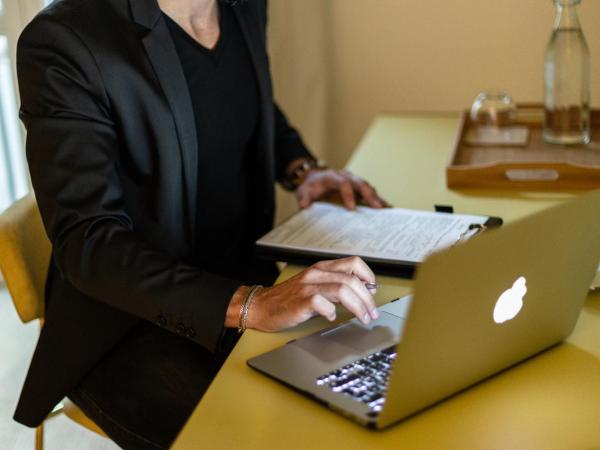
<point x="437" y="55"/>
<point x="300" y="63"/>
<point x="393" y="55"/>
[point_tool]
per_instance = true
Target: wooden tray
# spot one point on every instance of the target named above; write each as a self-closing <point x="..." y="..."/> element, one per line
<point x="535" y="166"/>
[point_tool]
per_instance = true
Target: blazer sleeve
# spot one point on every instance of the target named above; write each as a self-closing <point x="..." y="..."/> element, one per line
<point x="288" y="142"/>
<point x="73" y="154"/>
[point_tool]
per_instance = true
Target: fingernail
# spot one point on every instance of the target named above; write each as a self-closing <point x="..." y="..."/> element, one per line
<point x="366" y="318"/>
<point x="375" y="313"/>
<point x="332" y="317"/>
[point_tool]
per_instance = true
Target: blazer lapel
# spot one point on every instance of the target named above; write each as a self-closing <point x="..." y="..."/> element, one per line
<point x="167" y="66"/>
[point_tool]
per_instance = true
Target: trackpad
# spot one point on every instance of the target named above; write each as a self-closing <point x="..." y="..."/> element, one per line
<point x="362" y="338"/>
<point x="353" y="338"/>
<point x="399" y="307"/>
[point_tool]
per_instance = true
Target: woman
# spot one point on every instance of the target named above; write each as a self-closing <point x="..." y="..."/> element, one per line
<point x="154" y="144"/>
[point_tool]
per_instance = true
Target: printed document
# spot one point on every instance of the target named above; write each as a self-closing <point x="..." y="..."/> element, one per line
<point x="389" y="234"/>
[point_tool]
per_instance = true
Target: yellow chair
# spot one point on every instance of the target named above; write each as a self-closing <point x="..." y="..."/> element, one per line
<point x="24" y="258"/>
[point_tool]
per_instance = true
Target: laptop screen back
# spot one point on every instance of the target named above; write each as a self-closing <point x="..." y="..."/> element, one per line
<point x="485" y="305"/>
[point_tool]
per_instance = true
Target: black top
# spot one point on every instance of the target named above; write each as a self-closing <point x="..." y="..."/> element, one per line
<point x="224" y="92"/>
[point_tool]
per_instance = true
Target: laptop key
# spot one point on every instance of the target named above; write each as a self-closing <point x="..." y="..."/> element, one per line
<point x="374" y="397"/>
<point x="389" y="351"/>
<point x="364" y="380"/>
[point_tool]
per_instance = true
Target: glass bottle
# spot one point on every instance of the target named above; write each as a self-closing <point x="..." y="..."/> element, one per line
<point x="567" y="79"/>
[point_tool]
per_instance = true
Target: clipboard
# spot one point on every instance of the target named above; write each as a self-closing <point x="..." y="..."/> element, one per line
<point x="275" y="245"/>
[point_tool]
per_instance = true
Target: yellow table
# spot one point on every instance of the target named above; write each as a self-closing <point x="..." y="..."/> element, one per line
<point x="549" y="402"/>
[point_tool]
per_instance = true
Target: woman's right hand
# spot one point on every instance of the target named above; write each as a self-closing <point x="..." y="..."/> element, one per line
<point x="315" y="291"/>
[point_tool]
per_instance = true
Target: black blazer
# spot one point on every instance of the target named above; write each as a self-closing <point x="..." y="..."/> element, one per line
<point x="112" y="152"/>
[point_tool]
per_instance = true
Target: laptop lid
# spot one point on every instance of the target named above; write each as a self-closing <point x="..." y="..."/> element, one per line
<point x="483" y="306"/>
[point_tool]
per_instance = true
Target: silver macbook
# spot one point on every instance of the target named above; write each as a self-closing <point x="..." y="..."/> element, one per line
<point x="477" y="308"/>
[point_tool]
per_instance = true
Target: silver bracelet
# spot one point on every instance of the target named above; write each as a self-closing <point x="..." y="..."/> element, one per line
<point x="246" y="306"/>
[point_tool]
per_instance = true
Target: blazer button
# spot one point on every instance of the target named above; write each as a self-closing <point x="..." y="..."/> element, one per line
<point x="161" y="321"/>
<point x="190" y="332"/>
<point x="180" y="329"/>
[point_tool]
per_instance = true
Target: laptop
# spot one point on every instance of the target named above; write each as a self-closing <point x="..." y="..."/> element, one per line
<point x="477" y="308"/>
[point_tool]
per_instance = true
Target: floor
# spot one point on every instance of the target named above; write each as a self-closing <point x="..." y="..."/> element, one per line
<point x="17" y="342"/>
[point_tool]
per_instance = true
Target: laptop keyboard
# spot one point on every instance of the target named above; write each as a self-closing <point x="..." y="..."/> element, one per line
<point x="365" y="380"/>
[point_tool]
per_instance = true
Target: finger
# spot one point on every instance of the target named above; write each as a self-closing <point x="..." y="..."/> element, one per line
<point x="365" y="295"/>
<point x="317" y="276"/>
<point x="339" y="181"/>
<point x="385" y="203"/>
<point x="312" y="275"/>
<point x="352" y="264"/>
<point x="324" y="307"/>
<point x="367" y="193"/>
<point x="347" y="194"/>
<point x="345" y="295"/>
<point x="303" y="197"/>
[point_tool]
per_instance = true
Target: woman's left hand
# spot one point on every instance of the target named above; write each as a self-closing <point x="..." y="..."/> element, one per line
<point x="347" y="187"/>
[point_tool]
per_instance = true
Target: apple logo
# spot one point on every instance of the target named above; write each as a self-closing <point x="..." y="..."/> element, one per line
<point x="510" y="302"/>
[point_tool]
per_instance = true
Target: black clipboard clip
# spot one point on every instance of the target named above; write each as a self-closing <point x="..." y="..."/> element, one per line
<point x="473" y="230"/>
